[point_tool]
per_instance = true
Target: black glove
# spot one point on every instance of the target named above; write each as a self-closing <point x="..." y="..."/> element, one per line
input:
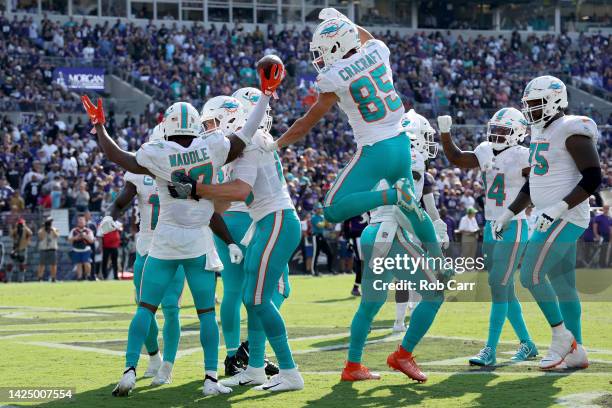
<point x="183" y="187"/>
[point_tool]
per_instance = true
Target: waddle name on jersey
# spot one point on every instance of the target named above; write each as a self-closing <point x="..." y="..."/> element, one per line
<point x="360" y="65"/>
<point x="188" y="158"/>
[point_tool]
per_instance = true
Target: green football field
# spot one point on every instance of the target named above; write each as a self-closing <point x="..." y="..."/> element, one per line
<point x="73" y="335"/>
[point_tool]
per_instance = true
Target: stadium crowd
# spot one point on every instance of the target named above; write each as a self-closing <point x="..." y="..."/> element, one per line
<point x="47" y="163"/>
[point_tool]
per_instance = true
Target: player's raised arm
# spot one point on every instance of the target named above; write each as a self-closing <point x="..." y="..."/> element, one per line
<point x="455" y="155"/>
<point x="302" y="126"/>
<point x="271" y="73"/>
<point x="111" y="150"/>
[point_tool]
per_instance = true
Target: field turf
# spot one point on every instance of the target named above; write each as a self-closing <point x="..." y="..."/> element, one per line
<point x="72" y="334"/>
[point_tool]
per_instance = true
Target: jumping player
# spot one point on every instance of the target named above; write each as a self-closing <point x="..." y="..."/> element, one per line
<point x="355" y="72"/>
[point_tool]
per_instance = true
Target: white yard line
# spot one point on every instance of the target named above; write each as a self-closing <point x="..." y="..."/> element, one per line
<point x="76" y="348"/>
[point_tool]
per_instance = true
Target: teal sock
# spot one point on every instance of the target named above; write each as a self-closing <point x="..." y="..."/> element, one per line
<point x="230" y="320"/>
<point x="515" y="316"/>
<point x="547" y="300"/>
<point x="280" y="345"/>
<point x="355" y="204"/>
<point x="571" y="312"/>
<point x="497" y="317"/>
<point x="137" y="333"/>
<point x="360" y="327"/>
<point x="209" y="338"/>
<point x="171" y="332"/>
<point x="151" y="343"/>
<point x="274" y="327"/>
<point x="420" y="321"/>
<point x="564" y="286"/>
<point x="257" y="340"/>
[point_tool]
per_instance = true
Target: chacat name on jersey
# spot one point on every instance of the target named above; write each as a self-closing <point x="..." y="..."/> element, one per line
<point x="360" y="65"/>
<point x="187" y="158"/>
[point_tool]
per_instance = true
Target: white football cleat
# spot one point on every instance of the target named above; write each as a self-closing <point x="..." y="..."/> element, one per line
<point x="164" y="374"/>
<point x="562" y="344"/>
<point x="399" y="327"/>
<point x="285" y="380"/>
<point x="577" y="359"/>
<point x="126" y="384"/>
<point x="249" y="376"/>
<point x="214" y="387"/>
<point x="155" y="362"/>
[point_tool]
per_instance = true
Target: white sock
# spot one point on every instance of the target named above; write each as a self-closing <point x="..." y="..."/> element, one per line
<point x="400" y="312"/>
<point x="256" y="370"/>
<point x="560" y="329"/>
<point x="211" y="373"/>
<point x="155" y="358"/>
<point x="289" y="371"/>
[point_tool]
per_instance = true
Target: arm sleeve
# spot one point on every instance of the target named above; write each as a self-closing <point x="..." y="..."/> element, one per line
<point x="582" y="125"/>
<point x="379" y="46"/>
<point x="325" y="84"/>
<point x="245" y="168"/>
<point x="219" y="147"/>
<point x="523" y="158"/>
<point x="148" y="156"/>
<point x="484" y="153"/>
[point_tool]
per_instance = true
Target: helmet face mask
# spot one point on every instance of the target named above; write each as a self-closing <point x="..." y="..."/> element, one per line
<point x="533" y="109"/>
<point x="210" y="126"/>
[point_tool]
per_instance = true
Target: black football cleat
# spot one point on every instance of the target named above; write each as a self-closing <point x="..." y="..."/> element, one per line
<point x="232" y="366"/>
<point x="242" y="354"/>
<point x="271" y="368"/>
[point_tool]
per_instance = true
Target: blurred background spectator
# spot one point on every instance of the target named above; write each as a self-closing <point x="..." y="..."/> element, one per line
<point x="81" y="238"/>
<point x="48" y="237"/>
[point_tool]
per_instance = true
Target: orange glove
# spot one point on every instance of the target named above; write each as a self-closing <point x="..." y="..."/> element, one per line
<point x="271" y="83"/>
<point x="95" y="113"/>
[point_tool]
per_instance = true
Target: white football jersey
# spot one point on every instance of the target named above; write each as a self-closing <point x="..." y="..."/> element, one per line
<point x="263" y="171"/>
<point x="385" y="213"/>
<point x="553" y="171"/>
<point x="224" y="176"/>
<point x="182" y="230"/>
<point x="364" y="86"/>
<point x="503" y="183"/>
<point x="148" y="209"/>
